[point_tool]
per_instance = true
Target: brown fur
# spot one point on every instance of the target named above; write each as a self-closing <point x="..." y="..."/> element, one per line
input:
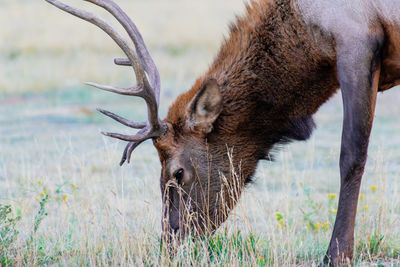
<point x="274" y="72"/>
<point x="272" y="75"/>
<point x="391" y="54"/>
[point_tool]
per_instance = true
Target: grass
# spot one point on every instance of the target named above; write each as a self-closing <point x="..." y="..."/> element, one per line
<point x="65" y="201"/>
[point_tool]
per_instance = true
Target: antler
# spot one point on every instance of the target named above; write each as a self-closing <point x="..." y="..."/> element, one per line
<point x="142" y="63"/>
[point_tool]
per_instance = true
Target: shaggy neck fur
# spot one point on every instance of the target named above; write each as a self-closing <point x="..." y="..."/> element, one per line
<point x="272" y="76"/>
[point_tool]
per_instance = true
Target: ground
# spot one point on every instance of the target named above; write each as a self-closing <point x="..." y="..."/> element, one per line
<point x="71" y="204"/>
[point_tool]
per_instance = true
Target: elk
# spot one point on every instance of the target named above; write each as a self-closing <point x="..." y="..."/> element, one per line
<point x="281" y="61"/>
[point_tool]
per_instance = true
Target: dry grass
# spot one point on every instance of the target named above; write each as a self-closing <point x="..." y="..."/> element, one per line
<point x="101" y="214"/>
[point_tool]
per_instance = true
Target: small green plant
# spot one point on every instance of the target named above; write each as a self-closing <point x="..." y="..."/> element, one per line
<point x="35" y="243"/>
<point x="41" y="214"/>
<point x="8" y="233"/>
<point x="375" y="242"/>
<point x="313" y="209"/>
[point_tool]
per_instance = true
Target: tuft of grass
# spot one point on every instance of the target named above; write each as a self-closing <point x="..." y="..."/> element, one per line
<point x="41" y="214"/>
<point x="8" y="233"/>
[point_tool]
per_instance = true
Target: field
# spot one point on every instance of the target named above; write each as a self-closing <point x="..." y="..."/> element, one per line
<point x="64" y="200"/>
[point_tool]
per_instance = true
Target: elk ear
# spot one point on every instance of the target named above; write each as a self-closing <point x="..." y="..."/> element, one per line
<point x="205" y="106"/>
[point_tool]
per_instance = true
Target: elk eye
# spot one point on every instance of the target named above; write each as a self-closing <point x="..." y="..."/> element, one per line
<point x="179" y="176"/>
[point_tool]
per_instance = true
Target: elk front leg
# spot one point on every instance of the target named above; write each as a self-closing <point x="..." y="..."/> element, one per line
<point x="358" y="72"/>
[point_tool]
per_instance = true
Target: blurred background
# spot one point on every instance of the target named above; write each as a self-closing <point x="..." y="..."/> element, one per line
<point x="51" y="151"/>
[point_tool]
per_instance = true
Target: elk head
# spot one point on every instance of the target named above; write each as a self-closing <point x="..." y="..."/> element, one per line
<point x="198" y="182"/>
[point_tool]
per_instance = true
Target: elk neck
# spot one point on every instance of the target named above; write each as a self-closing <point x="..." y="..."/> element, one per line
<point x="273" y="77"/>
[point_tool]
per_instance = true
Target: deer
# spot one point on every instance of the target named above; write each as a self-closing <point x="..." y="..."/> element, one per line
<point x="281" y="61"/>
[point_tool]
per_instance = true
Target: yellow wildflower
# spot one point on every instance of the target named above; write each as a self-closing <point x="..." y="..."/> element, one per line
<point x="40" y="182"/>
<point x="45" y="192"/>
<point x="361" y="196"/>
<point x="366" y="207"/>
<point x="281" y="223"/>
<point x="331" y="196"/>
<point x="279" y="218"/>
<point x="373" y="188"/>
<point x="333" y="211"/>
<point x="325" y="225"/>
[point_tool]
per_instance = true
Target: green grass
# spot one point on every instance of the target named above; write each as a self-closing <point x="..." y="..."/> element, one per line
<point x="65" y="201"/>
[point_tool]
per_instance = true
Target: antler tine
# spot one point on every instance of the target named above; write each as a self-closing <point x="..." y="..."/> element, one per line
<point x="126" y="156"/>
<point x="133" y="91"/>
<point x="126" y="122"/>
<point x="145" y="133"/>
<point x="122" y="61"/>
